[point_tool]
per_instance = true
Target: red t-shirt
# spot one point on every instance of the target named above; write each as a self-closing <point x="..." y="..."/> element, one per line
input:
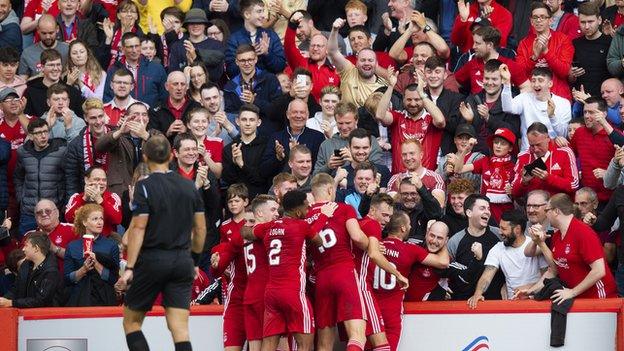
<point x="230" y="233"/>
<point x="284" y="241"/>
<point x="190" y="175"/>
<point x="336" y="248"/>
<point x="574" y="253"/>
<point x="363" y="264"/>
<point x="257" y="272"/>
<point x="61" y="236"/>
<point x="403" y="256"/>
<point x="34" y="9"/>
<point x="496" y="173"/>
<point x="618" y="20"/>
<point x="472" y="73"/>
<point x="214" y="147"/>
<point x="422" y="129"/>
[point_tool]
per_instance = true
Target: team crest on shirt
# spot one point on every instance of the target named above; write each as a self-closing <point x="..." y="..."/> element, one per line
<point x="567" y="249"/>
<point x="331" y="80"/>
<point x="58" y="240"/>
<point x="426" y="273"/>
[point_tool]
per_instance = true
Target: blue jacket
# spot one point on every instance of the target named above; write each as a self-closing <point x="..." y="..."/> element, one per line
<point x="209" y="51"/>
<point x="270" y="165"/>
<point x="5" y="155"/>
<point x="74" y="259"/>
<point x="10" y="32"/>
<point x="149" y="87"/>
<point x="265" y="85"/>
<point x="274" y="61"/>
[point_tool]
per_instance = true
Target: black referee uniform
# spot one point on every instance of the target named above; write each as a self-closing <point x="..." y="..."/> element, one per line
<point x="164" y="263"/>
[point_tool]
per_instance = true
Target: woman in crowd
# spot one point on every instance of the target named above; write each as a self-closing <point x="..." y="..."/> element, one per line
<point x="197" y="75"/>
<point x="84" y="72"/>
<point x="210" y="145"/>
<point x="91" y="275"/>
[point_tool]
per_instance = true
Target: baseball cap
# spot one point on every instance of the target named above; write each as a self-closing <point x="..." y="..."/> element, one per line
<point x="6" y="92"/>
<point x="465" y="129"/>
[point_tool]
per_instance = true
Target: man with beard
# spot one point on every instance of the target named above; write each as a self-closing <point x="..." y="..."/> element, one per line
<point x="360" y="149"/>
<point x="407" y="257"/>
<point x="11" y="35"/>
<point x="484" y="110"/>
<point x="30" y="61"/>
<point x="486" y="41"/>
<point x="81" y="155"/>
<point x="421" y="120"/>
<point x="323" y="72"/>
<point x="169" y="115"/>
<point x="365" y="184"/>
<point x="563" y="22"/>
<point x="122" y="85"/>
<point x="357" y="81"/>
<point x="417" y="202"/>
<point x="520" y="271"/>
<point x="361" y="38"/>
<point x="469" y="248"/>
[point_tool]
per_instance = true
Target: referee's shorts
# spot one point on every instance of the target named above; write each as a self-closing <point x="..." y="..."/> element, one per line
<point x="168" y="271"/>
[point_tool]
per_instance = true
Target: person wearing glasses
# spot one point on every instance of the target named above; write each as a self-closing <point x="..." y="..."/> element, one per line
<point x="543" y="47"/>
<point x="555" y="173"/>
<point x="575" y="256"/>
<point x="61" y="234"/>
<point x="39" y="172"/>
<point x="122" y="85"/>
<point x="252" y="85"/>
<point x="37" y="89"/>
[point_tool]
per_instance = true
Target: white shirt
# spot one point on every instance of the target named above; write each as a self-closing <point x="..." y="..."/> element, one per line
<point x="518" y="269"/>
<point x="315" y="123"/>
<point x="532" y="110"/>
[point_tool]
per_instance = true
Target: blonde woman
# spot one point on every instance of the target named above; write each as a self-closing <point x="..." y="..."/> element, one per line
<point x="84" y="72"/>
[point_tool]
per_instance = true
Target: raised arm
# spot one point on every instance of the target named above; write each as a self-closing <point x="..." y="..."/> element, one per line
<point x="382" y="114"/>
<point x="436" y="114"/>
<point x="333" y="50"/>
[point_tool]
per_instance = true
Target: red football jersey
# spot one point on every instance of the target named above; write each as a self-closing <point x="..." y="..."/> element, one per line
<point x="336" y="248"/>
<point x="403" y="256"/>
<point x="573" y="255"/>
<point x="363" y="264"/>
<point x="285" y="247"/>
<point x="422" y="129"/>
<point x="230" y="233"/>
<point x="257" y="272"/>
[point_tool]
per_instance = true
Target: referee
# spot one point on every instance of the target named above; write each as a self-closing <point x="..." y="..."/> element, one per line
<point x="168" y="217"/>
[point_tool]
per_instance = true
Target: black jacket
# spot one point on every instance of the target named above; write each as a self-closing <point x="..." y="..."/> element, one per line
<point x="160" y="117"/>
<point x="448" y="103"/>
<point x="212" y="207"/>
<point x="456" y="222"/>
<point x="37" y="94"/>
<point x="498" y="119"/>
<point x="40" y="286"/>
<point x="74" y="165"/>
<point x="249" y="174"/>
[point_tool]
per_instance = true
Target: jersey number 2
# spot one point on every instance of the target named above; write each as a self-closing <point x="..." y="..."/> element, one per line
<point x="276" y="248"/>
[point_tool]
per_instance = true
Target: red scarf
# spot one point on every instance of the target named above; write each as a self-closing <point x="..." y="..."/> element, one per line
<point x="90" y="157"/>
<point x="74" y="32"/>
<point x="116" y="53"/>
<point x="86" y="80"/>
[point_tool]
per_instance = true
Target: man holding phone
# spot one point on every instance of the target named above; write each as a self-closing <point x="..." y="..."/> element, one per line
<point x="544" y="165"/>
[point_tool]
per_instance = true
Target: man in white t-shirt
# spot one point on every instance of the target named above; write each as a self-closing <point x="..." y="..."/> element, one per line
<point x="508" y="255"/>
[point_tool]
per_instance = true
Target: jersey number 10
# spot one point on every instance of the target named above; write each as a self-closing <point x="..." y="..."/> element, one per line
<point x="381" y="281"/>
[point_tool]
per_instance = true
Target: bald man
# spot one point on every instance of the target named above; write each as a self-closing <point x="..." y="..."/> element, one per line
<point x="611" y="91"/>
<point x="47" y="29"/>
<point x="278" y="148"/>
<point x="168" y="116"/>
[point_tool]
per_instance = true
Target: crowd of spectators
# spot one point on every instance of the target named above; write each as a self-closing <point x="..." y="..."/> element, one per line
<point x="507" y="130"/>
